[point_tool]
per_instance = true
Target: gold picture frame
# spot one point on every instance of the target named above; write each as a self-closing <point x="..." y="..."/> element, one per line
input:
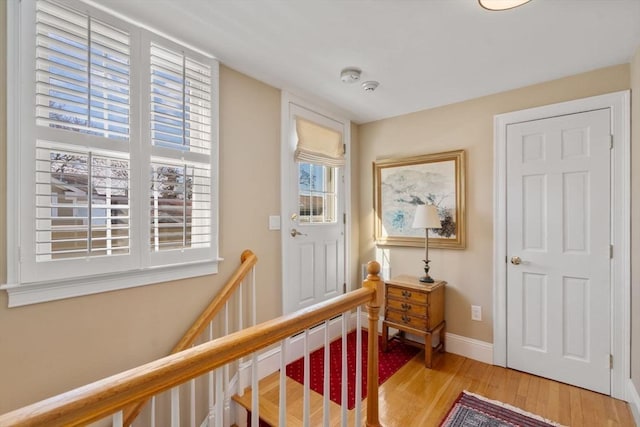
<point x="402" y="184"/>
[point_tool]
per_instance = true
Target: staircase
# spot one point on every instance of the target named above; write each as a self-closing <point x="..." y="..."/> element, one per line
<point x="193" y="385"/>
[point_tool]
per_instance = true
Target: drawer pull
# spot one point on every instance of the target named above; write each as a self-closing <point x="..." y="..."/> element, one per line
<point x="406" y="319"/>
<point x="406" y="294"/>
<point x="406" y="307"/>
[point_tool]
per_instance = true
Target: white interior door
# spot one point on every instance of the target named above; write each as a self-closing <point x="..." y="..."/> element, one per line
<point x="313" y="218"/>
<point x="558" y="248"/>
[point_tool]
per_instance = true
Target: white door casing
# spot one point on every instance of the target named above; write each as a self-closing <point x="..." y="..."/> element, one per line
<point x="313" y="260"/>
<point x="558" y="239"/>
<point x="618" y="110"/>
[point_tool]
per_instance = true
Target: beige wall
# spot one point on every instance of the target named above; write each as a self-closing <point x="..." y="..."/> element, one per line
<point x="50" y="348"/>
<point x="469" y="126"/>
<point x="635" y="220"/>
<point x="354" y="253"/>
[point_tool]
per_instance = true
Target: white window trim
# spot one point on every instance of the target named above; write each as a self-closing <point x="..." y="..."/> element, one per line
<point x="49" y="290"/>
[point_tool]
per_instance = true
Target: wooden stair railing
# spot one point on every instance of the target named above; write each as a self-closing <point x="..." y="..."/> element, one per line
<point x="108" y="396"/>
<point x="247" y="260"/>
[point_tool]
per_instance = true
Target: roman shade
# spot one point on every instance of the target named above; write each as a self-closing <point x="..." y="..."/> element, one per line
<point x="318" y="144"/>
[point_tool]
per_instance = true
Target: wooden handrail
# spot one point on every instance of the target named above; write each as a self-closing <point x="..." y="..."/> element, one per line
<point x="97" y="400"/>
<point x="247" y="260"/>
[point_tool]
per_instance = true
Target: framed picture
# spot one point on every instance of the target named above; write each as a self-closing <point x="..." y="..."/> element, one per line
<point x="402" y="184"/>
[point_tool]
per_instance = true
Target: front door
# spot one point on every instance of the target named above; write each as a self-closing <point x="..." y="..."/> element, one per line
<point x="313" y="225"/>
<point x="558" y="246"/>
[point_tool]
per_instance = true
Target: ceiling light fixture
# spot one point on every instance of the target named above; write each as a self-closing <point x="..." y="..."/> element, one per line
<point x="370" y="85"/>
<point x="350" y="75"/>
<point x="501" y="4"/>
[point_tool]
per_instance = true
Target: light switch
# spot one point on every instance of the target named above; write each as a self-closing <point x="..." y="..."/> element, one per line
<point x="274" y="222"/>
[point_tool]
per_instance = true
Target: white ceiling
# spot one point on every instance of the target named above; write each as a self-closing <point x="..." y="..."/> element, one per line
<point x="424" y="53"/>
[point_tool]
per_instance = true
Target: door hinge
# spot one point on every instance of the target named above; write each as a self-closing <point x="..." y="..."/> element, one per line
<point x="344" y="288"/>
<point x="610" y="142"/>
<point x="344" y="218"/>
<point x="344" y="148"/>
<point x="611" y="361"/>
<point x="610" y="251"/>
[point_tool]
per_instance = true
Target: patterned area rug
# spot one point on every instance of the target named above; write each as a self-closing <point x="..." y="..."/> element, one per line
<point x="474" y="410"/>
<point x="396" y="356"/>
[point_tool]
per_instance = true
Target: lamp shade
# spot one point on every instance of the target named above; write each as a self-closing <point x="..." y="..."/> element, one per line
<point x="426" y="217"/>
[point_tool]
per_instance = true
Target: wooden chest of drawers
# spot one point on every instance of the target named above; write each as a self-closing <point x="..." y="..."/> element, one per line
<point x="416" y="308"/>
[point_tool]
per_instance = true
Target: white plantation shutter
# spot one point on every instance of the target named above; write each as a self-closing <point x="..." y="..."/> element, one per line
<point x="82" y="204"/>
<point x="181" y="137"/>
<point x="82" y="73"/>
<point x="180" y="101"/>
<point x="180" y="206"/>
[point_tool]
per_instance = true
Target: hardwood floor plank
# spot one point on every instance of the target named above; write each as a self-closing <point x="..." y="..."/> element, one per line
<point x="421" y="397"/>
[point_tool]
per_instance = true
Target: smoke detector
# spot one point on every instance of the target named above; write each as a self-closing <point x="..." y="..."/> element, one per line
<point x="350" y="75"/>
<point x="370" y="86"/>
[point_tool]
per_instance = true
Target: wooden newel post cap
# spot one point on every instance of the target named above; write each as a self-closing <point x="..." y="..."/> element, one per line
<point x="245" y="254"/>
<point x="373" y="270"/>
<point x="373" y="282"/>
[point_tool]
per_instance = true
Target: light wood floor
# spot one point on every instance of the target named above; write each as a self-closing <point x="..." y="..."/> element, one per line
<point x="417" y="396"/>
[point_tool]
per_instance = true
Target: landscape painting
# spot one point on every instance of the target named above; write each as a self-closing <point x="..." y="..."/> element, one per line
<point x="403" y="184"/>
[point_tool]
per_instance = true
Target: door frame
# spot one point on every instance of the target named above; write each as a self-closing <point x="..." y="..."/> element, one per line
<point x="619" y="105"/>
<point x="285" y="128"/>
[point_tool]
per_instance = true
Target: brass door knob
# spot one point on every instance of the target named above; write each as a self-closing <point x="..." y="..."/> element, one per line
<point x="516" y="260"/>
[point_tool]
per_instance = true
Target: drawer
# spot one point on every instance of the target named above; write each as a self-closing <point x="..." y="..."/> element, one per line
<point x="401" y="318"/>
<point x="407" y="306"/>
<point x="407" y="294"/>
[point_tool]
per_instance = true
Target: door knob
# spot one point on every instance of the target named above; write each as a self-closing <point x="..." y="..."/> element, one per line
<point x="516" y="260"/>
<point x="295" y="233"/>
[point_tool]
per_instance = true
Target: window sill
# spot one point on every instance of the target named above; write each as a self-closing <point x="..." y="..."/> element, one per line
<point x="34" y="293"/>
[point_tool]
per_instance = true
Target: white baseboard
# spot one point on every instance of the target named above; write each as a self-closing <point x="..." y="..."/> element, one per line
<point x="481" y="351"/>
<point x="634" y="401"/>
<point x="469" y="347"/>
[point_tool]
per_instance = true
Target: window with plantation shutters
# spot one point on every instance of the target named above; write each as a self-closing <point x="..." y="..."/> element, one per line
<point x="112" y="154"/>
<point x="83" y="76"/>
<point x="180" y="120"/>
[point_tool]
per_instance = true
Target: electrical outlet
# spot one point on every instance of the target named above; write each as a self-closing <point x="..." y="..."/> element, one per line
<point x="476" y="312"/>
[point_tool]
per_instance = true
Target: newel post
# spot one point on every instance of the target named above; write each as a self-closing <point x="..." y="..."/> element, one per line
<point x="373" y="308"/>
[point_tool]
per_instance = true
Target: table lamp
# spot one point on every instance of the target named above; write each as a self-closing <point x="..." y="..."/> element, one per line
<point x="426" y="217"/>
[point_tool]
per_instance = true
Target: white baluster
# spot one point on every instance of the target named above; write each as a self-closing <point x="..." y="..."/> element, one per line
<point x="240" y="327"/>
<point x="192" y="403"/>
<point x="175" y="407"/>
<point x="219" y="398"/>
<point x="153" y="412"/>
<point x="358" y="409"/>
<point x="227" y="398"/>
<point x="307" y="380"/>
<point x="326" y="415"/>
<point x="344" y="400"/>
<point x="253" y="297"/>
<point x="282" y="403"/>
<point x="117" y="419"/>
<point x="255" y="397"/>
<point x="212" y="397"/>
